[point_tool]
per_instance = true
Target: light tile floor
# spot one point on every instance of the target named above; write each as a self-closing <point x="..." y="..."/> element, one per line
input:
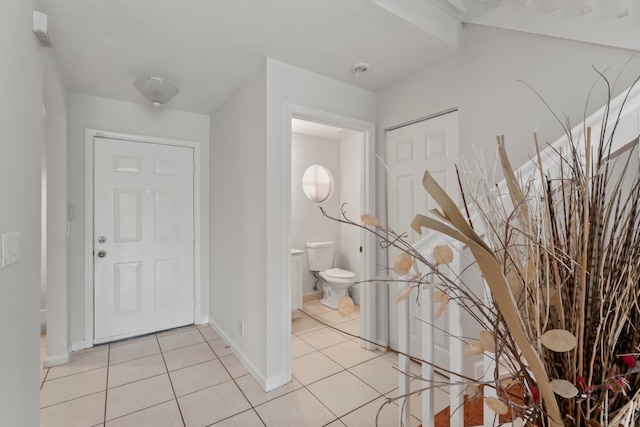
<point x="188" y="377"/>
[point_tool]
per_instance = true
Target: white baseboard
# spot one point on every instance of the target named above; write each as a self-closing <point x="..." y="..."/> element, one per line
<point x="60" y="359"/>
<point x="80" y="345"/>
<point x="272" y="384"/>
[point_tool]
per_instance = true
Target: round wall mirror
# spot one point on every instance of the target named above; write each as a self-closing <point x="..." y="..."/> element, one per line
<point x="317" y="183"/>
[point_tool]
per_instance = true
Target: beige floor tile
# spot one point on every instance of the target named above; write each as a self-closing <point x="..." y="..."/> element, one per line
<point x="220" y="348"/>
<point x="135" y="349"/>
<point x="257" y="396"/>
<point x="336" y="423"/>
<point x="212" y="404"/>
<point x="82" y="412"/>
<point x="315" y="307"/>
<point x="135" y="370"/>
<point x="182" y="339"/>
<point x="366" y="415"/>
<point x="163" y="415"/>
<point x="142" y="394"/>
<point x="352" y="327"/>
<point x="176" y="330"/>
<point x="245" y="419"/>
<point x="208" y="333"/>
<point x="299" y="347"/>
<point x="343" y="393"/>
<point x="73" y="386"/>
<point x="296" y="409"/>
<point x="198" y="377"/>
<point x="187" y="356"/>
<point x="133" y="340"/>
<point x="234" y="366"/>
<point x="322" y="338"/>
<point x="332" y="318"/>
<point x="349" y="353"/>
<point x="304" y="324"/>
<point x="313" y="367"/>
<point x="379" y="373"/>
<point x="80" y="362"/>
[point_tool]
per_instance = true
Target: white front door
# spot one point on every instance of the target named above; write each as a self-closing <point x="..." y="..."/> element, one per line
<point x="143" y="238"/>
<point x="411" y="150"/>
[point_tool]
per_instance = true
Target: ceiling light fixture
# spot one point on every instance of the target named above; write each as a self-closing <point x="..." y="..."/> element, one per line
<point x="156" y="90"/>
<point x="360" y="68"/>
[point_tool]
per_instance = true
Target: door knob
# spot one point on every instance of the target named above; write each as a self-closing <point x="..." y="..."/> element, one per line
<point x="102" y="254"/>
<point x="102" y="239"/>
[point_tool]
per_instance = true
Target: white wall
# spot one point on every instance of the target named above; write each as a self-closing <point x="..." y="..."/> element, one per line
<point x="20" y="176"/>
<point x="483" y="82"/>
<point x="307" y="222"/>
<point x="139" y="119"/>
<point x="238" y="224"/>
<point x="57" y="249"/>
<point x="287" y="85"/>
<point x="351" y="193"/>
<point x="250" y="208"/>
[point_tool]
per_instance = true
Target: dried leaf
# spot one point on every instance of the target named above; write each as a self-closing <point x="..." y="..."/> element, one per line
<point x="472" y="391"/>
<point x="515" y="284"/>
<point x="559" y="340"/>
<point x="442" y="255"/>
<point x="488" y="341"/>
<point x="346" y="307"/>
<point x="457" y="227"/>
<point x="403" y="263"/>
<point x="564" y="388"/>
<point x="496" y="405"/>
<point x="403" y="294"/>
<point x="369" y="220"/>
<point x="530" y="270"/>
<point x="440" y="310"/>
<point x="473" y="348"/>
<point x="439" y="296"/>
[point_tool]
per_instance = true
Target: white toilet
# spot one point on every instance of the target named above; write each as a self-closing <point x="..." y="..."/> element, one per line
<point x="336" y="282"/>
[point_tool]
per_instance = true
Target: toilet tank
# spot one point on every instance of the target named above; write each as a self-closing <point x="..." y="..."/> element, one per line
<point x="320" y="255"/>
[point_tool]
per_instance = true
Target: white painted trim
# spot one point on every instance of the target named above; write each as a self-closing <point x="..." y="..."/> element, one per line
<point x="60" y="359"/>
<point x="90" y="134"/>
<point x="81" y="344"/>
<point x="367" y="294"/>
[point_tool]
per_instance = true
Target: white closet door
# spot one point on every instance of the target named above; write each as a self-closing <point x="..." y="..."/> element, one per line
<point x="411" y="150"/>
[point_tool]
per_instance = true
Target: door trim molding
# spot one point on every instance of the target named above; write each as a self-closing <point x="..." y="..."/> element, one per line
<point x="368" y="326"/>
<point x="90" y="135"/>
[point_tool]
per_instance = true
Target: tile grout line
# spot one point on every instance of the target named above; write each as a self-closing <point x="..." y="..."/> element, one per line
<point x="106" y="390"/>
<point x="235" y="382"/>
<point x="171" y="381"/>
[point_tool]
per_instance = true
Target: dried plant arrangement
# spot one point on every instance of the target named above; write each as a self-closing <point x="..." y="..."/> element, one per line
<point x="559" y="251"/>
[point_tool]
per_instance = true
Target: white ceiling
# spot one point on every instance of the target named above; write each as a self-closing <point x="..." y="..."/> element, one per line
<point x="208" y="47"/>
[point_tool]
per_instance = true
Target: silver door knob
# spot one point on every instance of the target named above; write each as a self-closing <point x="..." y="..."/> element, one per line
<point x="102" y="254"/>
<point x="102" y="239"/>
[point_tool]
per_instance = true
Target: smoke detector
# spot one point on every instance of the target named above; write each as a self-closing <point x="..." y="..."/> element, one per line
<point x="360" y="68"/>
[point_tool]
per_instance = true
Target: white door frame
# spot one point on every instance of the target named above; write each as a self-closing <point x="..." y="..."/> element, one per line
<point x="367" y="293"/>
<point x="90" y="134"/>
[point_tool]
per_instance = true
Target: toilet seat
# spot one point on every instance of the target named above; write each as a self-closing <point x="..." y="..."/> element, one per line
<point x="339" y="273"/>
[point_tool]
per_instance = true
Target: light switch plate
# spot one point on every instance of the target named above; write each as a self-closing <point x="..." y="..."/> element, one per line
<point x="10" y="248"/>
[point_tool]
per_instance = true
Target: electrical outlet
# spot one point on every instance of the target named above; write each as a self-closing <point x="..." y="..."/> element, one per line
<point x="10" y="248"/>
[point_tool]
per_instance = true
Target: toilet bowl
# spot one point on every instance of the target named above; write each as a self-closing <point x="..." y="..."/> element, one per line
<point x="336" y="282"/>
<point x="335" y="286"/>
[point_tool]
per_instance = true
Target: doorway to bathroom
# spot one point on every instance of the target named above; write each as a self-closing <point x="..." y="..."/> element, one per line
<point x="345" y="147"/>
